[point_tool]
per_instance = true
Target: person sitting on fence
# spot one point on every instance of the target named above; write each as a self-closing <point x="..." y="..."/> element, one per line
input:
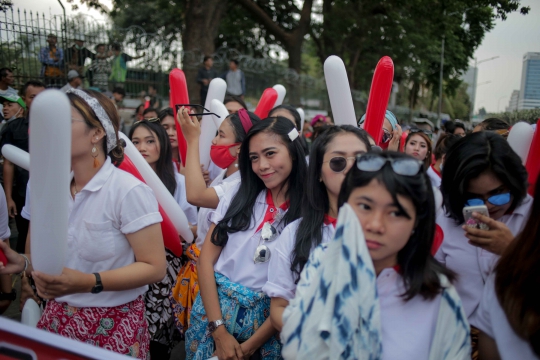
<point x="119" y="66"/>
<point x="75" y="81"/>
<point x="77" y="54"/>
<point x="51" y="57"/>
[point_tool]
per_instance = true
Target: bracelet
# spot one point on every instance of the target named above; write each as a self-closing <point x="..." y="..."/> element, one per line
<point x="26" y="262"/>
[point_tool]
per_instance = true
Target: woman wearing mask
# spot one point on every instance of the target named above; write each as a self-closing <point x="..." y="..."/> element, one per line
<point x="224" y="152"/>
<point x="151" y="139"/>
<point x="375" y="291"/>
<point x="391" y="131"/>
<point x="333" y="155"/>
<point x="418" y="145"/>
<point x="480" y="169"/>
<point x="233" y="266"/>
<point x="115" y="246"/>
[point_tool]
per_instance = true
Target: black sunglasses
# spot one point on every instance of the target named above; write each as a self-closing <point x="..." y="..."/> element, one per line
<point x="427" y="132"/>
<point x="179" y="106"/>
<point x="402" y="166"/>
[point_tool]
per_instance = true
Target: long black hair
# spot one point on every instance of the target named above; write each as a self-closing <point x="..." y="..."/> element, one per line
<point x="297" y="121"/>
<point x="240" y="213"/>
<point x="419" y="269"/>
<point x="164" y="165"/>
<point x="316" y="203"/>
<point x="238" y="129"/>
<point x="471" y="156"/>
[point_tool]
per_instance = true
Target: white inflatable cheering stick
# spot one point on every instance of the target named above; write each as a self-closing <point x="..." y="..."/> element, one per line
<point x="17" y="156"/>
<point x="50" y="144"/>
<point x="216" y="91"/>
<point x="217" y="107"/>
<point x="520" y="139"/>
<point x="339" y="91"/>
<point x="163" y="196"/>
<point x="281" y="92"/>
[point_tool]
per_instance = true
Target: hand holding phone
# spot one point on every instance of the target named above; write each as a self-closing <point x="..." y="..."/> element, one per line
<point x="470" y="221"/>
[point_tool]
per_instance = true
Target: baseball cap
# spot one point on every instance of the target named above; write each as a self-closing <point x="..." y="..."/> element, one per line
<point x="14" y="98"/>
<point x="72" y="74"/>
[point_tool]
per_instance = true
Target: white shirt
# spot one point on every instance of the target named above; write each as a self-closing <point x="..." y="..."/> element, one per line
<point x="236" y="258"/>
<point x="492" y="320"/>
<point x="5" y="232"/>
<point x="407" y="327"/>
<point x="114" y="203"/>
<point x="434" y="177"/>
<point x="281" y="280"/>
<point x="222" y="187"/>
<point x="473" y="264"/>
<point x="180" y="196"/>
<point x="214" y="171"/>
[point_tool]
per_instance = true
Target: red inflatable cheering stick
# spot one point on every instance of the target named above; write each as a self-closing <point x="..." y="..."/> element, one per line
<point x="179" y="95"/>
<point x="533" y="159"/>
<point x="266" y="103"/>
<point x="3" y="258"/>
<point x="170" y="235"/>
<point x="381" y="86"/>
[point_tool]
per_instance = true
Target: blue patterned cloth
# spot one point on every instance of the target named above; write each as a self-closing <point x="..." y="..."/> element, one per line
<point x="336" y="313"/>
<point x="244" y="311"/>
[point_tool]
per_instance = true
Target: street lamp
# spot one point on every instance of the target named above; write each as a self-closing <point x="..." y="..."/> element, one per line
<point x="476" y="63"/>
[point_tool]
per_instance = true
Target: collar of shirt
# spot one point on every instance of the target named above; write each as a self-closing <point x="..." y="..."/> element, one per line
<point x="435" y="170"/>
<point x="97" y="182"/>
<point x="271" y="210"/>
<point x="328" y="220"/>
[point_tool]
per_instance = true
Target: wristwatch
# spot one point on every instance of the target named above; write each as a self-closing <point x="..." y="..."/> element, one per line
<point x="213" y="325"/>
<point x="99" y="286"/>
<point x="9" y="296"/>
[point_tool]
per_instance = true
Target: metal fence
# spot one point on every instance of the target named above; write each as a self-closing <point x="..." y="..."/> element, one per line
<point x="24" y="33"/>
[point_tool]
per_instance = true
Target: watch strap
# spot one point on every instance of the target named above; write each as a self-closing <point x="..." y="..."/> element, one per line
<point x="8" y="296"/>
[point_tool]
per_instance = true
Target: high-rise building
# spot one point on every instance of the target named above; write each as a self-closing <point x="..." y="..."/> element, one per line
<point x="514" y="100"/>
<point x="529" y="94"/>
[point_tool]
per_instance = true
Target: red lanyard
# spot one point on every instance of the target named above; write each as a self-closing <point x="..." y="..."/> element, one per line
<point x="271" y="210"/>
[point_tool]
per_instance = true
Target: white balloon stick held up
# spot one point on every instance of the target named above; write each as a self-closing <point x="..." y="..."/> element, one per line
<point x="163" y="196"/>
<point x="216" y="91"/>
<point x="302" y="118"/>
<point x="50" y="144"/>
<point x="17" y="156"/>
<point x="520" y="139"/>
<point x="217" y="107"/>
<point x="339" y="91"/>
<point x="31" y="313"/>
<point x="281" y="92"/>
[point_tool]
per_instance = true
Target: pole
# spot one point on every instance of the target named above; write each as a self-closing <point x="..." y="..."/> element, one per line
<point x="473" y="89"/>
<point x="64" y="31"/>
<point x="441" y="72"/>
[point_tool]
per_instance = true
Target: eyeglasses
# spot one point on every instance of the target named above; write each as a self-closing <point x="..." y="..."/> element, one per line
<point x="374" y="162"/>
<point x="427" y="132"/>
<point x="339" y="163"/>
<point x="497" y="200"/>
<point x="268" y="234"/>
<point x="149" y="120"/>
<point x="179" y="106"/>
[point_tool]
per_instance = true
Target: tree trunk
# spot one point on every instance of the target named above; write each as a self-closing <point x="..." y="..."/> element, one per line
<point x="202" y="25"/>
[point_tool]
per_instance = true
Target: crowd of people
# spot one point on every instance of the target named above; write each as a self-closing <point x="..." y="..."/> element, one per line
<point x="311" y="240"/>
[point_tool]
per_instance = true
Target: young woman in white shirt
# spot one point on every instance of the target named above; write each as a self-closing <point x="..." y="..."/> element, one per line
<point x="115" y="246"/>
<point x="231" y="314"/>
<point x="413" y="309"/>
<point x="444" y="143"/>
<point x="418" y="145"/>
<point x="333" y="154"/>
<point x="509" y="313"/>
<point x="479" y="169"/>
<point x="224" y="152"/>
<point x="150" y="138"/>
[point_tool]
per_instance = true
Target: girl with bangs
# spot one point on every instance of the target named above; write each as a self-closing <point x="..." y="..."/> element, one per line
<point x="376" y="291"/>
<point x="230" y="315"/>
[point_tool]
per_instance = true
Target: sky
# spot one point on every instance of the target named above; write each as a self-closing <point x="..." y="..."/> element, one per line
<point x="510" y="40"/>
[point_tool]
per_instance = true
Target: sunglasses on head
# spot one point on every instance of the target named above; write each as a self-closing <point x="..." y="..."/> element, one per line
<point x="497" y="200"/>
<point x="149" y="120"/>
<point x="427" y="132"/>
<point x="402" y="166"/>
<point x="201" y="112"/>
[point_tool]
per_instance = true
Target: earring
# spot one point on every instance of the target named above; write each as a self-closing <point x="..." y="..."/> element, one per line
<point x="95" y="155"/>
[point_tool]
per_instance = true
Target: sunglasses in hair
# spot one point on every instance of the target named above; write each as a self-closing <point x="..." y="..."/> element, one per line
<point x="427" y="132"/>
<point x="402" y="166"/>
<point x="338" y="163"/>
<point x="497" y="200"/>
<point x="149" y="120"/>
<point x="198" y="107"/>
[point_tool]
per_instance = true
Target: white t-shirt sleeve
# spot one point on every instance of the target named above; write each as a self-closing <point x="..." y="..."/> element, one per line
<point x="5" y="233"/>
<point x="180" y="196"/>
<point x="25" y="212"/>
<point x="138" y="209"/>
<point x="216" y="216"/>
<point x="281" y="280"/>
<point x="482" y="315"/>
<point x="225" y="188"/>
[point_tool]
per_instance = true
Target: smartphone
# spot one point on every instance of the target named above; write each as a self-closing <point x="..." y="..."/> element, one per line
<point x="470" y="221"/>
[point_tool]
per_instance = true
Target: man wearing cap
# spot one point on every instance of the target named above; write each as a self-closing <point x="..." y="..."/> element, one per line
<point x="74" y="81"/>
<point x="15" y="132"/>
<point x="77" y="54"/>
<point x="51" y="58"/>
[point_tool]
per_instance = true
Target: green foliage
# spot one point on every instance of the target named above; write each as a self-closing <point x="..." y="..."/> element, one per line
<point x="531" y="116"/>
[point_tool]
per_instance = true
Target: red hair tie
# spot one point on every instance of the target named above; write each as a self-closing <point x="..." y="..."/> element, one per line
<point x="244" y="118"/>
